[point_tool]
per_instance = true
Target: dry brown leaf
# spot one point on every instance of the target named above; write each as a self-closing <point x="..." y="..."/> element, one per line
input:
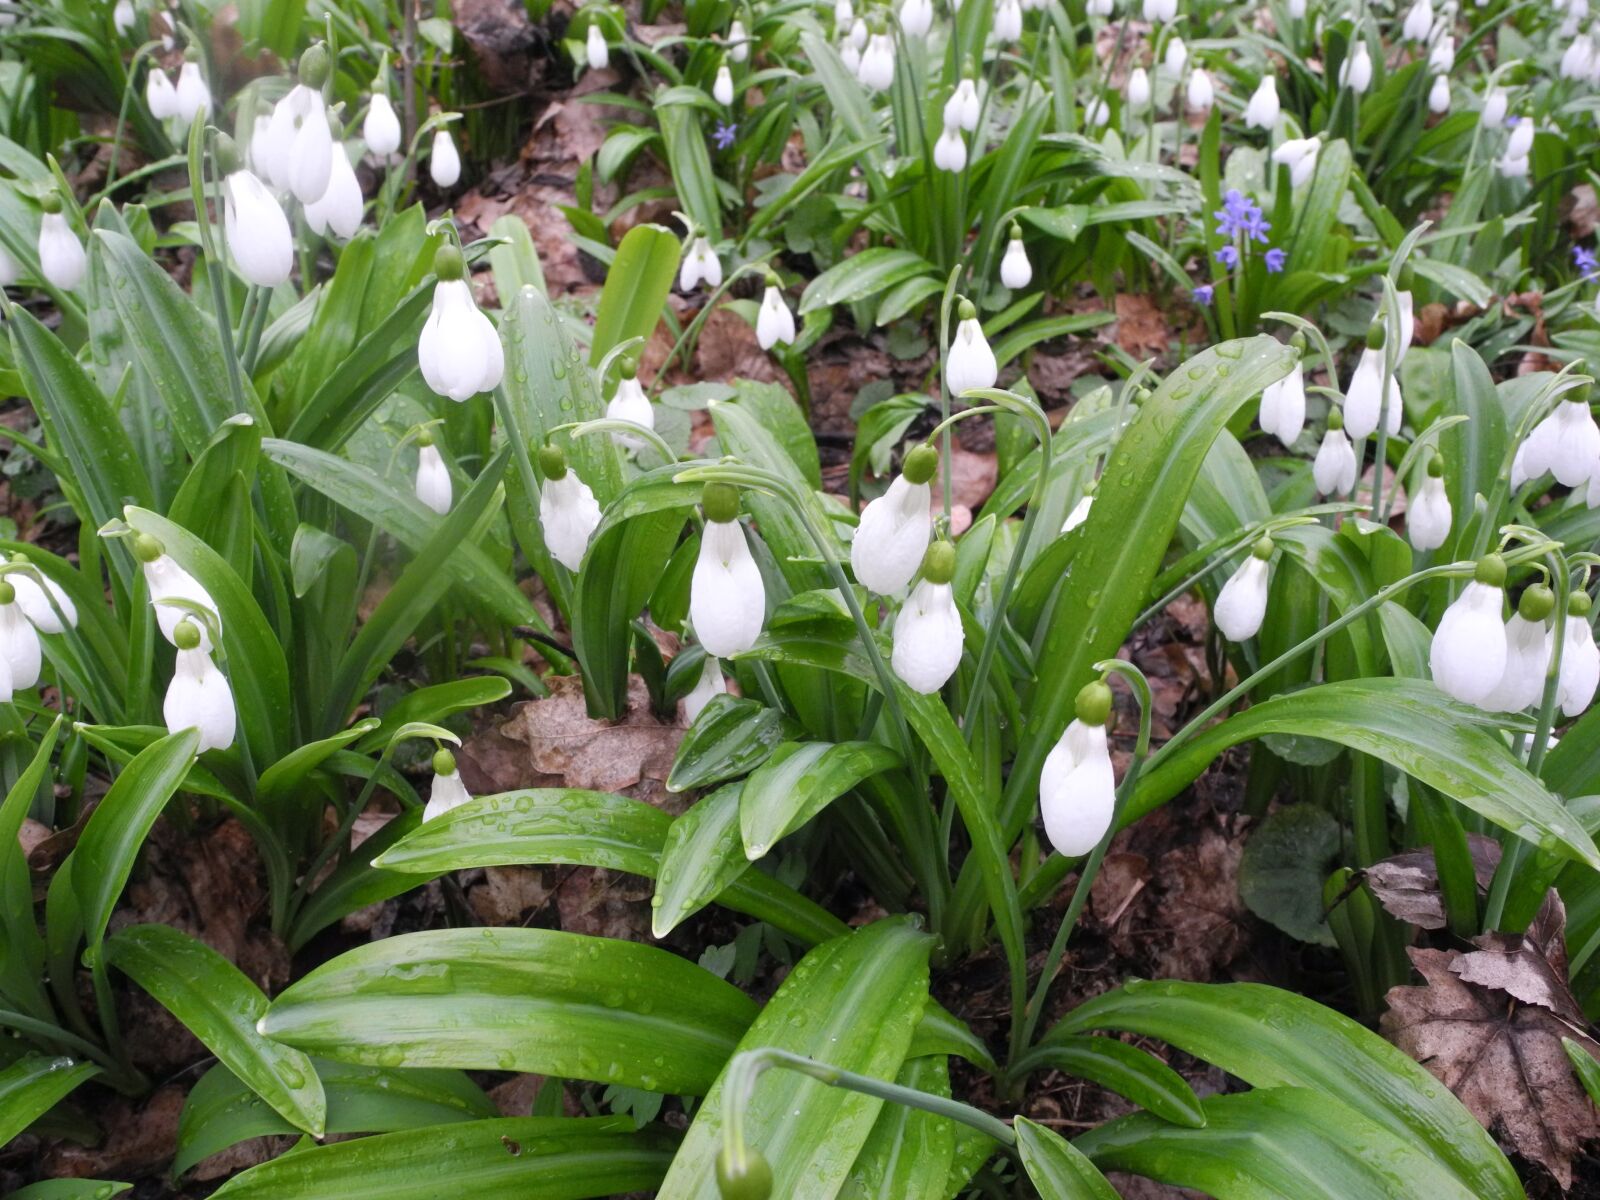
<point x="1407" y="885"/>
<point x="728" y="350"/>
<point x="563" y="741"/>
<point x="1141" y="325"/>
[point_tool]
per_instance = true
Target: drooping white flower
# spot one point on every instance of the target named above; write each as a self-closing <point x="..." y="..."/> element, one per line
<point x="1262" y="111"/>
<point x="739" y="40"/>
<point x="1494" y="108"/>
<point x="950" y="151"/>
<point x="257" y="231"/>
<point x="722" y="86"/>
<point x="122" y="16"/>
<point x="877" y="63"/>
<point x="1177" y="56"/>
<point x="1100" y="8"/>
<point x="859" y="34"/>
<point x="1015" y="270"/>
<point x="1334" y="469"/>
<point x="1007" y="20"/>
<point x="709" y="684"/>
<point x="311" y="154"/>
<point x="381" y="128"/>
<point x="1419" y="22"/>
<point x="1577" y="61"/>
<point x="1138" y="89"/>
<point x="727" y="600"/>
<point x="843" y="14"/>
<point x="1572" y="443"/>
<point x="895" y="529"/>
<point x="851" y="57"/>
<point x="448" y="791"/>
<point x="1079" y="514"/>
<point x="19" y="642"/>
<point x="1520" y="144"/>
<point x="459" y="351"/>
<point x="916" y="17"/>
<point x="1242" y="603"/>
<point x="194" y="97"/>
<point x="1355" y="72"/>
<point x="1439" y="95"/>
<point x="1512" y="168"/>
<point x="927" y="631"/>
<point x="62" y="260"/>
<point x="568" y="511"/>
<point x="629" y="403"/>
<point x="1408" y="325"/>
<point x="1442" y="58"/>
<point x="1429" y="516"/>
<point x="271" y="148"/>
<point x="775" y="322"/>
<point x="1528" y="647"/>
<point x="1283" y="407"/>
<point x="1300" y="156"/>
<point x="700" y="265"/>
<point x="341" y="206"/>
<point x="1160" y="11"/>
<point x="444" y="162"/>
<point x="433" y="477"/>
<point x="1297" y="9"/>
<point x="1097" y="112"/>
<point x="596" y="52"/>
<point x="165" y="580"/>
<point x="1580" y="659"/>
<point x="40" y="599"/>
<point x="199" y="697"/>
<point x="1201" y="94"/>
<point x="1364" y="398"/>
<point x="971" y="362"/>
<point x="1468" y="654"/>
<point x="1078" y="787"/>
<point x="963" y="107"/>
<point x="160" y="97"/>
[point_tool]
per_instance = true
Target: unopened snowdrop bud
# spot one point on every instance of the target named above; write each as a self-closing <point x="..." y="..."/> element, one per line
<point x="1364" y="401"/>
<point x="1355" y="72"/>
<point x="1577" y="62"/>
<point x="971" y="362"/>
<point x="700" y="265"/>
<point x="42" y="600"/>
<point x="448" y="791"/>
<point x="843" y="14"/>
<point x="1334" y="469"/>
<point x="1573" y="441"/>
<point x="894" y="530"/>
<point x="1283" y="407"/>
<point x="122" y="16"/>
<point x="1201" y="94"/>
<point x="1138" y="89"/>
<point x="1468" y="655"/>
<point x="1007" y="21"/>
<point x="340" y="207"/>
<point x="444" y="161"/>
<point x="19" y="640"/>
<point x="459" y="351"/>
<point x="1439" y="95"/>
<point x="722" y="87"/>
<point x="257" y="231"/>
<point x="1097" y="112"/>
<point x="1262" y="111"/>
<point x="950" y="151"/>
<point x="850" y="57"/>
<point x="927" y="632"/>
<point x="160" y="97"/>
<point x="629" y="403"/>
<point x="1297" y="9"/>
<point x="381" y="128"/>
<point x="1580" y="659"/>
<point x="199" y="697"/>
<point x="774" y="323"/>
<point x="194" y="98"/>
<point x="739" y="41"/>
<point x="596" y="52"/>
<point x="709" y="685"/>
<point x="61" y="257"/>
<point x="1528" y="647"/>
<point x="1160" y="11"/>
<point x="1177" y="56"/>
<point x="860" y="35"/>
<point x="877" y="63"/>
<point x="568" y="511"/>
<point x="1015" y="270"/>
<point x="1300" y="156"/>
<point x="1511" y="167"/>
<point x="1428" y="517"/>
<point x="433" y="477"/>
<point x="1077" y="787"/>
<point x="1100" y="8"/>
<point x="1242" y="604"/>
<point x="1419" y="22"/>
<point x="727" y="600"/>
<point x="1521" y="143"/>
<point x="1407" y="315"/>
<point x="963" y="108"/>
<point x="916" y="17"/>
<point x="165" y="580"/>
<point x="1442" y="58"/>
<point x="1494" y="108"/>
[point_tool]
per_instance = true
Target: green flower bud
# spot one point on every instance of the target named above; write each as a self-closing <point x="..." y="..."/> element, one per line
<point x="1093" y="705"/>
<point x="1435" y="467"/>
<point x="1376" y="334"/>
<point x="1335" y="418"/>
<point x="424" y="436"/>
<point x="51" y="201"/>
<point x="968" y="311"/>
<point x="920" y="464"/>
<point x="628" y="367"/>
<point x="1578" y="603"/>
<point x="720" y="502"/>
<point x="448" y="263"/>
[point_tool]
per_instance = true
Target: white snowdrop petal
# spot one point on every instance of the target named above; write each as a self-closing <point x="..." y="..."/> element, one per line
<point x="892" y="537"/>
<point x="1077" y="790"/>
<point x="1468" y="656"/>
<point x="927" y="638"/>
<point x="727" y="600"/>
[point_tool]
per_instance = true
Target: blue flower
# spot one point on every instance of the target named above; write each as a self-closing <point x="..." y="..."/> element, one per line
<point x="1275" y="258"/>
<point x="724" y="135"/>
<point x="1203" y="294"/>
<point x="1240" y="215"/>
<point x="1584" y="259"/>
<point x="1228" y="256"/>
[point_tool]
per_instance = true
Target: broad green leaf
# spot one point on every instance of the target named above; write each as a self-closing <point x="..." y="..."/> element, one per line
<point x="690" y="163"/>
<point x="434" y="703"/>
<point x="1275" y="1039"/>
<point x="32" y="1085"/>
<point x="70" y="1189"/>
<point x="219" y="1004"/>
<point x="1585" y="1066"/>
<point x="518" y="1000"/>
<point x="515" y="264"/>
<point x="638" y="282"/>
<point x="512" y="1158"/>
<point x="565" y="826"/>
<point x="1133" y="1074"/>
<point x="853" y="1003"/>
<point x="221" y="1112"/>
<point x="798" y="782"/>
<point x="21" y="947"/>
<point x="1284" y="864"/>
<point x="272" y="25"/>
<point x="863" y="275"/>
<point x="907" y="1155"/>
<point x="701" y="856"/>
<point x="280" y="779"/>
<point x="1057" y="1168"/>
<point x="1474" y="448"/>
<point x="732" y="736"/>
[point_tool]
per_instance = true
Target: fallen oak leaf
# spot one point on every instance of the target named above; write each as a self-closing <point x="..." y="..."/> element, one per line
<point x="1407" y="885"/>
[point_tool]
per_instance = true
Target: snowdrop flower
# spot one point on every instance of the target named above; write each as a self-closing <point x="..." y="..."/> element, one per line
<point x="448" y="791"/>
<point x="596" y="52"/>
<point x="1511" y="167"/>
<point x="950" y="151"/>
<point x="1007" y="21"/>
<point x="298" y="148"/>
<point x="1521" y="143"/>
<point x="1428" y="517"/>
<point x="339" y="208"/>
<point x="774" y="323"/>
<point x="1580" y="659"/>
<point x="1494" y="108"/>
<point x="1016" y="271"/>
<point x="1097" y="112"/>
<point x="1364" y="399"/>
<point x="199" y="697"/>
<point x="381" y="128"/>
<point x="877" y="63"/>
<point x="1419" y="22"/>
<point x="700" y="265"/>
<point x="1242" y="603"/>
<point x="1262" y="111"/>
<point x="1577" y="62"/>
<point x="1177" y="56"/>
<point x="962" y="108"/>
<point x="1355" y="72"/>
<point x="710" y="684"/>
<point x="927" y="631"/>
<point x="10" y="269"/>
<point x="259" y="151"/>
<point x="1297" y="9"/>
<point x="444" y="161"/>
<point x="859" y="35"/>
<point x="1300" y="156"/>
<point x="1077" y="787"/>
<point x="194" y="98"/>
<point x="1080" y="510"/>
<point x="1468" y="655"/>
<point x="61" y="257"/>
<point x="1100" y="8"/>
<point x="843" y="14"/>
<point x="39" y="599"/>
<point x="629" y="403"/>
<point x="722" y="87"/>
<point x="122" y="16"/>
<point x="19" y="640"/>
<point x="851" y="57"/>
<point x="160" y="97"/>
<point x="893" y="534"/>
<point x="433" y="477"/>
<point x="1439" y="95"/>
<point x="256" y="229"/>
<point x="1138" y="89"/>
<point x="1283" y="407"/>
<point x="1442" y="58"/>
<point x="1160" y="11"/>
<point x="165" y="580"/>
<point x="459" y="351"/>
<point x="739" y="40"/>
<point x="1571" y="441"/>
<point x="1201" y="94"/>
<point x="568" y="511"/>
<point x="971" y="363"/>
<point x="1528" y="646"/>
<point x="727" y="600"/>
<point x="916" y="17"/>
<point x="1408" y="317"/>
<point x="1334" y="469"/>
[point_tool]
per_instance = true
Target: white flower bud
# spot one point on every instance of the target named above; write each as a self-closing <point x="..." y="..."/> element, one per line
<point x="340" y="208"/>
<point x="1007" y="21"/>
<point x="381" y="128"/>
<point x="40" y="598"/>
<point x="1355" y="72"/>
<point x="1528" y="647"/>
<point x="1468" y="655"/>
<point x="19" y="646"/>
<point x="1494" y="108"/>
<point x="727" y="600"/>
<point x="1442" y="58"/>
<point x="444" y="162"/>
<point x="927" y="638"/>
<point x="1334" y="469"/>
<point x="916" y="17"/>
<point x="459" y="351"/>
<point x="1242" y="603"/>
<point x="194" y="98"/>
<point x="199" y="698"/>
<point x="1283" y="407"/>
<point x="971" y="363"/>
<point x="258" y="233"/>
<point x="877" y="63"/>
<point x="1429" y="516"/>
<point x="62" y="260"/>
<point x="1300" y="156"/>
<point x="1363" y="399"/>
<point x="596" y="52"/>
<point x="1439" y="95"/>
<point x="1078" y="790"/>
<point x="963" y="107"/>
<point x="1138" y="89"/>
<point x="629" y="403"/>
<point x="950" y="152"/>
<point x="700" y="265"/>
<point x="710" y="684"/>
<point x="1419" y="22"/>
<point x="1177" y="56"/>
<point x="165" y="580"/>
<point x="739" y="40"/>
<point x="568" y="516"/>
<point x="1580" y="666"/>
<point x="448" y="792"/>
<point x="1015" y="269"/>
<point x="433" y="479"/>
<point x="122" y="16"/>
<point x="311" y="154"/>
<point x="892" y="537"/>
<point x="1572" y="443"/>
<point x="1262" y="111"/>
<point x="1201" y="94"/>
<point x="722" y="86"/>
<point x="160" y="97"/>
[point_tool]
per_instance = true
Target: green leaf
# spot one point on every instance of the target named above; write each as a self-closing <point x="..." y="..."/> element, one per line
<point x="280" y="780"/>
<point x="566" y="826"/>
<point x="1586" y="1067"/>
<point x="798" y="782"/>
<point x="853" y="1003"/>
<point x="70" y="1189"/>
<point x="1283" y="867"/>
<point x="1057" y="1168"/>
<point x="221" y="1112"/>
<point x="690" y="164"/>
<point x="732" y="736"/>
<point x="31" y="1086"/>
<point x="1274" y="1039"/>
<point x="433" y="704"/>
<point x="1132" y="1073"/>
<point x="639" y="282"/>
<point x="863" y="275"/>
<point x="513" y="1158"/>
<point x="104" y="856"/>
<point x="220" y="1005"/>
<point x="1276" y="1144"/>
<point x="356" y="883"/>
<point x="515" y="265"/>
<point x="700" y="858"/>
<point x="908" y="1154"/>
<point x="518" y="1000"/>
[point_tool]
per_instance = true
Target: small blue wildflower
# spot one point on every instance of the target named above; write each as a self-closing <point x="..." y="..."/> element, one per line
<point x="1584" y="259"/>
<point x="1228" y="256"/>
<point x="724" y="135"/>
<point x="1275" y="259"/>
<point x="1241" y="215"/>
<point x="1203" y="294"/>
